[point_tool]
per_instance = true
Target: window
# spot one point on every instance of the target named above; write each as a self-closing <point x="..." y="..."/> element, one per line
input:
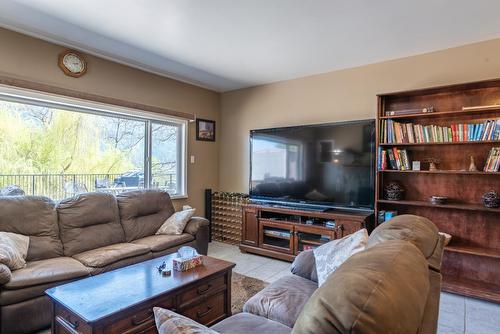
<point x="57" y="148"/>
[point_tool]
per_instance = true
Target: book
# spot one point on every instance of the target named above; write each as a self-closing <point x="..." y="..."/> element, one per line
<point x="493" y="161"/>
<point x="389" y="215"/>
<point x="392" y="132"/>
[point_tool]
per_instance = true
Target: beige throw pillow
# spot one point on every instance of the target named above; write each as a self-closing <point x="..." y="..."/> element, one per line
<point x="13" y="250"/>
<point x="176" y="223"/>
<point x="332" y="254"/>
<point x="168" y="322"/>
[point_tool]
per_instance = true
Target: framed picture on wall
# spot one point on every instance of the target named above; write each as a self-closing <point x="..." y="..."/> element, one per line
<point x="205" y="130"/>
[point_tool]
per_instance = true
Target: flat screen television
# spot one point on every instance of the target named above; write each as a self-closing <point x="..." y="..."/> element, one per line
<point x="318" y="166"/>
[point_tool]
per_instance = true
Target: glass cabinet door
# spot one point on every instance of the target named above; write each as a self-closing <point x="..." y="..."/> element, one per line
<point x="310" y="237"/>
<point x="276" y="236"/>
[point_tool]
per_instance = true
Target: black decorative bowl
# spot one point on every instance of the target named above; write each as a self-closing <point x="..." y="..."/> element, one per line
<point x="491" y="199"/>
<point x="393" y="191"/>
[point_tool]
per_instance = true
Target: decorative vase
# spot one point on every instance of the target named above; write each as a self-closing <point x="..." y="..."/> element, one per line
<point x="472" y="165"/>
<point x="491" y="199"/>
<point x="394" y="191"/>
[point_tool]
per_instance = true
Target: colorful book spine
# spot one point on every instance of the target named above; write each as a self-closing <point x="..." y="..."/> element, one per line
<point x="402" y="133"/>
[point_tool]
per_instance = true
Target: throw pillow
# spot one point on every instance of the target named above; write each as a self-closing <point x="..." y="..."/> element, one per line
<point x="168" y="322"/>
<point x="332" y="254"/>
<point x="13" y="250"/>
<point x="176" y="223"/>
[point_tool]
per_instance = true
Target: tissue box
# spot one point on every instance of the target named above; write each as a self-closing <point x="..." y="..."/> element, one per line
<point x="183" y="265"/>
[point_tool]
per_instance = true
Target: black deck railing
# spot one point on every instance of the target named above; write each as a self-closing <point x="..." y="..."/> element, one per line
<point x="58" y="186"/>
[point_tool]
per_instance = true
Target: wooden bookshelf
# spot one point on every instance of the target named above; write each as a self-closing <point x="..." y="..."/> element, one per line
<point x="471" y="262"/>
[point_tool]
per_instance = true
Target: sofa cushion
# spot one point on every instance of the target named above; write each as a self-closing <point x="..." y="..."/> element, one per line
<point x="46" y="271"/>
<point x="169" y="322"/>
<point x="89" y="221"/>
<point x="9" y="297"/>
<point x="142" y="212"/>
<point x="121" y="263"/>
<point x="176" y="223"/>
<point x="274" y="301"/>
<point x="13" y="250"/>
<point x="246" y="323"/>
<point x="380" y="290"/>
<point x="418" y="230"/>
<point x="35" y="217"/>
<point x="103" y="256"/>
<point x="5" y="274"/>
<point x="304" y="265"/>
<point x="331" y="255"/>
<point x="158" y="243"/>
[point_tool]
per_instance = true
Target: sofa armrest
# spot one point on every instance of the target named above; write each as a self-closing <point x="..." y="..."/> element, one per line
<point x="304" y="266"/>
<point x="194" y="225"/>
<point x="198" y="227"/>
<point x="5" y="274"/>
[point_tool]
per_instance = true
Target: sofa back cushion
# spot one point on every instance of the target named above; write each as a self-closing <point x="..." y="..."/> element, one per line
<point x="89" y="221"/>
<point x="143" y="212"/>
<point x="380" y="290"/>
<point x="418" y="230"/>
<point x="34" y="217"/>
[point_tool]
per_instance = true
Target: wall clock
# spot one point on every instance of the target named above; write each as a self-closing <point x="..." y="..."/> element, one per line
<point x="72" y="63"/>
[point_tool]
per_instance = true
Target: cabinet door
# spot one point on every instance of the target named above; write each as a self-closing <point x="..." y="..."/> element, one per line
<point x="347" y="227"/>
<point x="276" y="236"/>
<point x="309" y="237"/>
<point x="250" y="228"/>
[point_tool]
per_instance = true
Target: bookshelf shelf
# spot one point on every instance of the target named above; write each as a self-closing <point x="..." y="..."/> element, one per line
<point x="479" y="142"/>
<point x="451" y="113"/>
<point x="456" y="206"/>
<point x="465" y="218"/>
<point x="471" y="250"/>
<point x="472" y="288"/>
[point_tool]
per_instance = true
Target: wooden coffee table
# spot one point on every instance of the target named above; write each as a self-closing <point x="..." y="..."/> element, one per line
<point x="122" y="300"/>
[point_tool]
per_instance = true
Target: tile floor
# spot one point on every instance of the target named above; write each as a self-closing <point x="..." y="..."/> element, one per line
<point x="457" y="314"/>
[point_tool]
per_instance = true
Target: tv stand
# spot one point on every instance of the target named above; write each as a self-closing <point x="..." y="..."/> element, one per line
<point x="283" y="232"/>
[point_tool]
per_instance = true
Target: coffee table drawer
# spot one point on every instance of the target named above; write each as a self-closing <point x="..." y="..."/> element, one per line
<point x="206" y="289"/>
<point x="142" y="321"/>
<point x="66" y="322"/>
<point x="208" y="311"/>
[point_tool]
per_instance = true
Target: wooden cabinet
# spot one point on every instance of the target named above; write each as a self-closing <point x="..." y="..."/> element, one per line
<point x="283" y="233"/>
<point x="250" y="227"/>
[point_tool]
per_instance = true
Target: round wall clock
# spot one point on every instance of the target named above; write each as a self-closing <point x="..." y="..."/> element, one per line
<point x="72" y="63"/>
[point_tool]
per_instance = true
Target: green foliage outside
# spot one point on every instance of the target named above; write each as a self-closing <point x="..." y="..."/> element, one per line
<point x="44" y="141"/>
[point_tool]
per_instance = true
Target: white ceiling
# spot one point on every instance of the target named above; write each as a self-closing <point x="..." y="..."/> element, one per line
<point x="231" y="44"/>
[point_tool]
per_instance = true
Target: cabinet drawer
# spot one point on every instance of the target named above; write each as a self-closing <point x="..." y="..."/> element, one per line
<point x="67" y="322"/>
<point x="208" y="311"/>
<point x="142" y="321"/>
<point x="202" y="290"/>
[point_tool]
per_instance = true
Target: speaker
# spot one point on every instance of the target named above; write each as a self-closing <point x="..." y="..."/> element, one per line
<point x="208" y="211"/>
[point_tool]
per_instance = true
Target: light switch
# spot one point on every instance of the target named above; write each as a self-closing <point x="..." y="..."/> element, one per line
<point x="192" y="159"/>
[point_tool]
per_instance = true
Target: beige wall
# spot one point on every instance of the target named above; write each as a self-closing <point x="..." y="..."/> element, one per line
<point x="340" y="95"/>
<point x="31" y="59"/>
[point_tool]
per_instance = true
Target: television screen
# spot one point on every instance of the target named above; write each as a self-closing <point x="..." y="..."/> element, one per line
<point x="330" y="165"/>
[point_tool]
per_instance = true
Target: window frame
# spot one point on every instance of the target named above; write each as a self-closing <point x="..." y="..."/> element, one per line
<point x="26" y="96"/>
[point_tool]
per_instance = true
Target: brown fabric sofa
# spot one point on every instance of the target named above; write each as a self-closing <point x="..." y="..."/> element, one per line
<point x="391" y="287"/>
<point x="81" y="236"/>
